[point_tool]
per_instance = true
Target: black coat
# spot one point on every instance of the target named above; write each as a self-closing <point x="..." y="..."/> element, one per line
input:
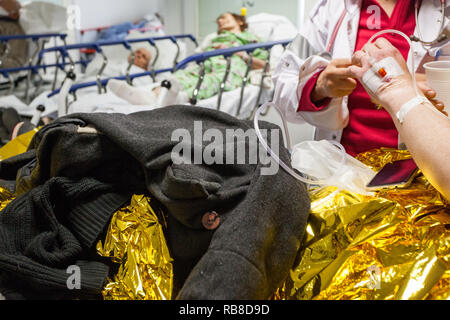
<point x="73" y="179"/>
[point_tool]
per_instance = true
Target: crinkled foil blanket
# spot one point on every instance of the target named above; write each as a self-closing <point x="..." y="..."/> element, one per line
<point x="394" y="245"/>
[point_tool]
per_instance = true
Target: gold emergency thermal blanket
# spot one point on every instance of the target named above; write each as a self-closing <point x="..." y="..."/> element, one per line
<point x="17" y="146"/>
<point x="393" y="245"/>
<point x="135" y="241"/>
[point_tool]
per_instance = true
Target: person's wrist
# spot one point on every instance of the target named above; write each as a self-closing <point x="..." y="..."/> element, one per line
<point x="245" y="56"/>
<point x="316" y="98"/>
<point x="395" y="104"/>
<point x="395" y="94"/>
<point x="317" y="94"/>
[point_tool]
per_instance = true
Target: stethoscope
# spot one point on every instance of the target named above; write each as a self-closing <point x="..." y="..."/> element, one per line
<point x="441" y="36"/>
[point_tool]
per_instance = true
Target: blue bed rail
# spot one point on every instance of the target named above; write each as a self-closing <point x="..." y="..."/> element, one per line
<point x="33" y="37"/>
<point x="36" y="68"/>
<point x="228" y="52"/>
<point x="63" y="50"/>
<point x="39" y="40"/>
<point x="199" y="58"/>
<point x="97" y="46"/>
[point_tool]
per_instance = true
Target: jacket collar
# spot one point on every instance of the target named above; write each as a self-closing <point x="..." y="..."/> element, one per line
<point x="353" y="6"/>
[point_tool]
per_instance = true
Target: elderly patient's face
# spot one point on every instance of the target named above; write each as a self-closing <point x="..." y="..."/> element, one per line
<point x="226" y="22"/>
<point x="142" y="58"/>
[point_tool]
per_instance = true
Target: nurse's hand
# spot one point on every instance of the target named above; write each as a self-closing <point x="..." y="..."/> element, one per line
<point x="334" y="81"/>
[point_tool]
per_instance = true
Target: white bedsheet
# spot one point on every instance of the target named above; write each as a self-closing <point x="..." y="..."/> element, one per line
<point x="12" y="101"/>
<point x="105" y="103"/>
<point x="91" y="102"/>
<point x="230" y="101"/>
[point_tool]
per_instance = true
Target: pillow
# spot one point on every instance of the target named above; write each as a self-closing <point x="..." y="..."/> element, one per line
<point x="271" y="27"/>
<point x="43" y="17"/>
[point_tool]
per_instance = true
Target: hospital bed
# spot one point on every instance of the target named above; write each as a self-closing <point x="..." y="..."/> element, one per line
<point x="127" y="44"/>
<point x="11" y="76"/>
<point x="248" y="99"/>
<point x="269" y="28"/>
<point x="240" y="102"/>
<point x="107" y="52"/>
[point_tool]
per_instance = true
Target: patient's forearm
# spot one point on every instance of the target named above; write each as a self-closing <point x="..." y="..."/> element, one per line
<point x="258" y="64"/>
<point x="427" y="134"/>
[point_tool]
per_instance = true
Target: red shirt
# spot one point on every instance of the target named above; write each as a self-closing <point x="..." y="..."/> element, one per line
<point x="369" y="128"/>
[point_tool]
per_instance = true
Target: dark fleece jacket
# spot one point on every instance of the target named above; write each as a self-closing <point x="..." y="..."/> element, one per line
<point x="76" y="178"/>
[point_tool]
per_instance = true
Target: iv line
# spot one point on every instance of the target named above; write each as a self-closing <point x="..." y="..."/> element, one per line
<point x="280" y="162"/>
<point x="342" y="149"/>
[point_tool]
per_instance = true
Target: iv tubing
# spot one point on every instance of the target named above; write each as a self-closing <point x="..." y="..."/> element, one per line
<point x="280" y="162"/>
<point x="344" y="154"/>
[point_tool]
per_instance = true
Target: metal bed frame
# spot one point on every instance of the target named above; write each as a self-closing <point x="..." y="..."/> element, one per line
<point x="40" y="40"/>
<point x="64" y="59"/>
<point x="97" y="47"/>
<point x="199" y="58"/>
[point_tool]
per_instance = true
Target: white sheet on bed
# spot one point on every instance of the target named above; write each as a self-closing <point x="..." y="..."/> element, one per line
<point x="28" y="110"/>
<point x="43" y="17"/>
<point x="91" y="102"/>
<point x="105" y="103"/>
<point x="230" y="101"/>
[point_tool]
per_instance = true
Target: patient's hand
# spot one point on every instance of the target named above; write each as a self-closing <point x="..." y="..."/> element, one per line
<point x="391" y="95"/>
<point x="220" y="46"/>
<point x="400" y="90"/>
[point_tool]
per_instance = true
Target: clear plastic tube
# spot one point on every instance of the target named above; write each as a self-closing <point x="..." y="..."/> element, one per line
<point x="280" y="162"/>
<point x="63" y="93"/>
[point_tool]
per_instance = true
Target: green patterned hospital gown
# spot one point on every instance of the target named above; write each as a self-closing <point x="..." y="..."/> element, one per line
<point x="215" y="67"/>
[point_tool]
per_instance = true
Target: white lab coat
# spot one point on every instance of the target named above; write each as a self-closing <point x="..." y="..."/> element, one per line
<point x="304" y="58"/>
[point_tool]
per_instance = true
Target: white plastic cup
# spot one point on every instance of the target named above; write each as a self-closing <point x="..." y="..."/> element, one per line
<point x="438" y="78"/>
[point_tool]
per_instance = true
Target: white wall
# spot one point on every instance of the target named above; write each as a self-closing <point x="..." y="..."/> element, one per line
<point x="99" y="13"/>
<point x="209" y="10"/>
<point x="180" y="16"/>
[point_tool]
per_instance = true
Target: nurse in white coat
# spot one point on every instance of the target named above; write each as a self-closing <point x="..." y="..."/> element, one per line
<point x="321" y="54"/>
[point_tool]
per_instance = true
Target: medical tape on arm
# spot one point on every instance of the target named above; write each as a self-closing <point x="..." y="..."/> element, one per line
<point x="381" y="73"/>
<point x="410" y="105"/>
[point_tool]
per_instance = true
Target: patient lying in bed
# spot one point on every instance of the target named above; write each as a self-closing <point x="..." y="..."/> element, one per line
<point x="232" y="32"/>
<point x="119" y="67"/>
